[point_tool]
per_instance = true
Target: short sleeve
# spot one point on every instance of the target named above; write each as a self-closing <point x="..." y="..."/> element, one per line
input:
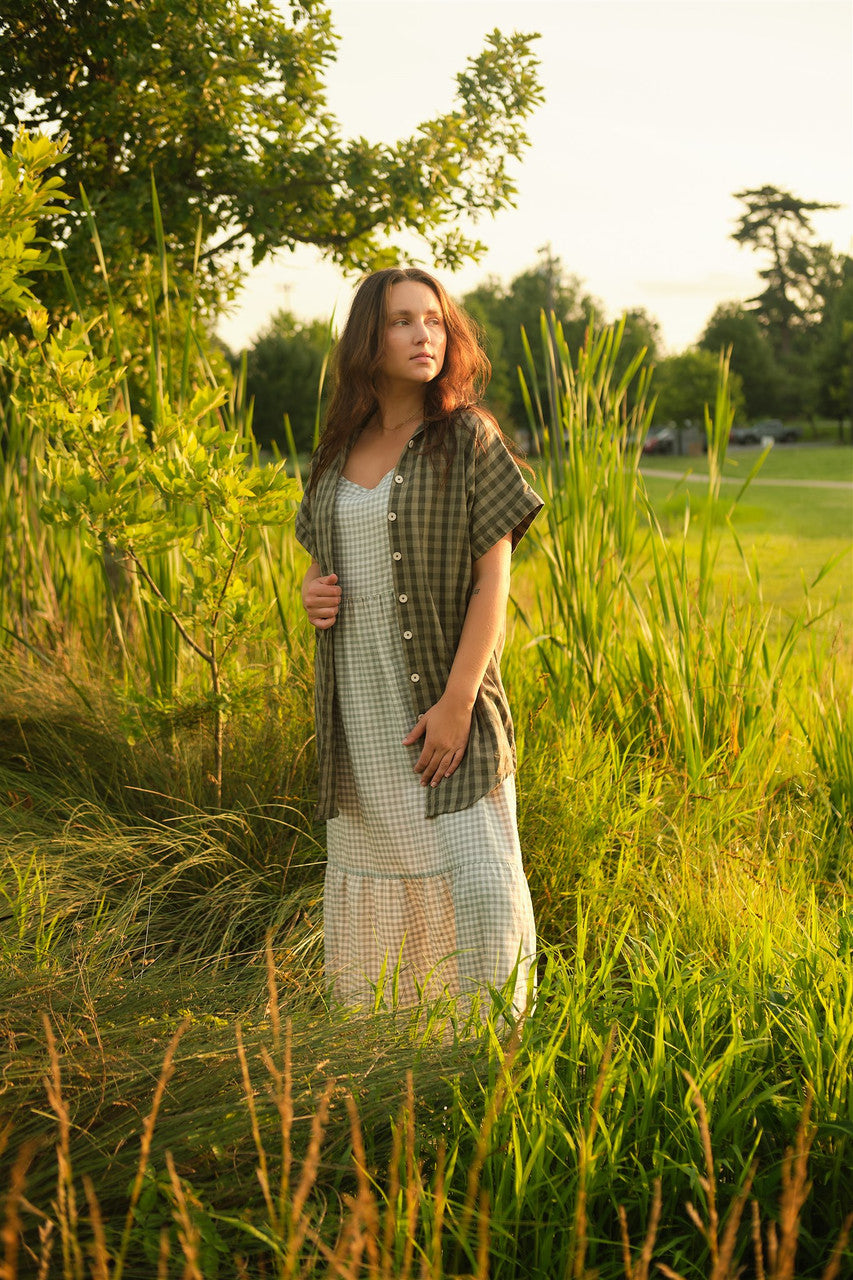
<point x="304" y="527"/>
<point x="502" y="501"/>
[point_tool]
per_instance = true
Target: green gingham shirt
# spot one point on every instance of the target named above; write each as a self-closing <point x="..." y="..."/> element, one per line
<point x="437" y="528"/>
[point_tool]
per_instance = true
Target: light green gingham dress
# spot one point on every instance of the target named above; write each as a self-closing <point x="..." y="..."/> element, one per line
<point x="443" y="901"/>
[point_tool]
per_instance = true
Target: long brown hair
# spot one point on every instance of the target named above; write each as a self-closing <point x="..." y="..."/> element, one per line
<point x="357" y="359"/>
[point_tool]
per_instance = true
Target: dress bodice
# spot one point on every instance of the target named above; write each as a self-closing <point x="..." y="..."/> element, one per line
<point x="361" y="520"/>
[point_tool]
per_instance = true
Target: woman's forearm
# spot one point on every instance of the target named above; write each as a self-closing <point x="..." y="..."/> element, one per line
<point x="485" y="623"/>
<point x="446" y="726"/>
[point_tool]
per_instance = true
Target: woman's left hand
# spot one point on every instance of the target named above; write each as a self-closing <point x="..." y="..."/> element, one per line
<point x="445" y="729"/>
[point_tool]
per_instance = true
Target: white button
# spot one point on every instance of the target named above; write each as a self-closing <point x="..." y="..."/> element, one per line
<point x="398" y="479"/>
<point x="411" y="444"/>
<point x="398" y="555"/>
<point x="407" y="635"/>
<point x="404" y="599"/>
<point x="415" y="677"/>
<point x="392" y="515"/>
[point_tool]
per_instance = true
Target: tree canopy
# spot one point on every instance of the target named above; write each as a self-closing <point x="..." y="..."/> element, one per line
<point x="797" y="271"/>
<point x="224" y="102"/>
<point x="503" y="310"/>
<point x="684" y="384"/>
<point x="283" y="371"/>
<point x="834" y="354"/>
<point x="732" y="327"/>
<point x="803" y="279"/>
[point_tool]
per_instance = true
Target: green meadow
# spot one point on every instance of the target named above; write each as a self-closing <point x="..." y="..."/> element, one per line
<point x="180" y="1097"/>
<point x="793" y="529"/>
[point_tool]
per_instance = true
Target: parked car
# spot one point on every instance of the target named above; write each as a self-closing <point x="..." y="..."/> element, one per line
<point x="775" y="429"/>
<point x="772" y="428"/>
<point x="743" y="435"/>
<point x="660" y="440"/>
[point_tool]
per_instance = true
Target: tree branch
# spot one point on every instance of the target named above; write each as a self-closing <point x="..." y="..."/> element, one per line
<point x="152" y="585"/>
<point x="218" y="606"/>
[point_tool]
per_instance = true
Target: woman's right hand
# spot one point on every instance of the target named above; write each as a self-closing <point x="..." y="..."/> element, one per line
<point x="321" y="597"/>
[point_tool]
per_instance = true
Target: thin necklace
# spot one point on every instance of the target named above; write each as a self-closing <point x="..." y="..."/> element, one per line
<point x="417" y="414"/>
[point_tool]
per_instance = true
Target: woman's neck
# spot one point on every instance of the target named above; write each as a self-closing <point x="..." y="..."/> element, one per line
<point x="395" y="413"/>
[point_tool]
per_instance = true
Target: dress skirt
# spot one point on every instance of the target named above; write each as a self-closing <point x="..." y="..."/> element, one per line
<point x="413" y="905"/>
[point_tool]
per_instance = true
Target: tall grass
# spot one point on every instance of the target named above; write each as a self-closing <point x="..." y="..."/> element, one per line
<point x="623" y="622"/>
<point x="590" y="449"/>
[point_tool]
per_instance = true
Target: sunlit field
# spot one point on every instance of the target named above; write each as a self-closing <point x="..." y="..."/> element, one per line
<point x="792" y="530"/>
<point x="179" y="1095"/>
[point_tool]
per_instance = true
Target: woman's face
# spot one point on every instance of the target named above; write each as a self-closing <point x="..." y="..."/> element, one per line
<point x="415" y="337"/>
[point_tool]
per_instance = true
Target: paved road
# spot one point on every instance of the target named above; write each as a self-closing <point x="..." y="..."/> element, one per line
<point x="694" y="478"/>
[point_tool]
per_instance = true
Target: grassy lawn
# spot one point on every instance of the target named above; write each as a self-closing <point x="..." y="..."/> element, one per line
<point x="783" y="462"/>
<point x="791" y="533"/>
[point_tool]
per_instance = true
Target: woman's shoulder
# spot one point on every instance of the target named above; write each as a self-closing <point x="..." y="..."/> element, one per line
<point x="475" y="425"/>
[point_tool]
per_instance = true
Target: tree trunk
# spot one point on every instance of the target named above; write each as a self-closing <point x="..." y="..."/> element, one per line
<point x="217" y="728"/>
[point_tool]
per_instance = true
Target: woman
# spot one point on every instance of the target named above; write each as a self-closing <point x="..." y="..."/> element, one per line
<point x="410" y="515"/>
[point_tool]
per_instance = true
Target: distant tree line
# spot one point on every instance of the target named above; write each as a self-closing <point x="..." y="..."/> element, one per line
<point x="791" y="345"/>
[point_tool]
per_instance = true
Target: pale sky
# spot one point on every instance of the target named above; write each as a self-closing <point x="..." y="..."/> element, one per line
<point x="655" y="112"/>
